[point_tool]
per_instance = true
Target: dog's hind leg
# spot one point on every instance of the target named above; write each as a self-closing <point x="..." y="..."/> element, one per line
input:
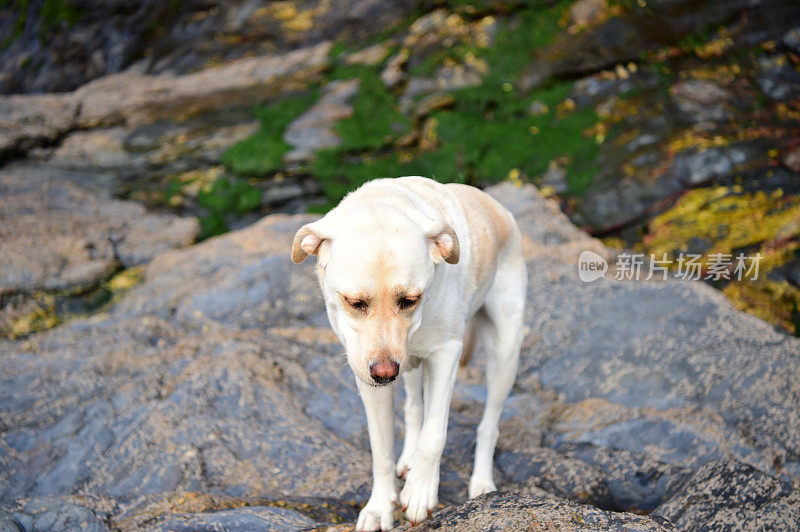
<point x="501" y="336"/>
<point x="413" y="410"/>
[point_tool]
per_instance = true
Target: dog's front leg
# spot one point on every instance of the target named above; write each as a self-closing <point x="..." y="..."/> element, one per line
<point x="420" y="493"/>
<point x="378" y="514"/>
<point x="413" y="411"/>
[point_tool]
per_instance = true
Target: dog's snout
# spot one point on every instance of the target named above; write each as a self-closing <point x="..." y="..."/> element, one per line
<point x="384" y="371"/>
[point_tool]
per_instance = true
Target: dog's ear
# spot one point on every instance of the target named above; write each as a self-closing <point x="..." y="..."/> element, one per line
<point x="308" y="241"/>
<point x="443" y="244"/>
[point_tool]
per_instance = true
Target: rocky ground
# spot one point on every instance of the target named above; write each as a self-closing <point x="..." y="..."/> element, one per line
<point x="149" y="381"/>
<point x="213" y="395"/>
<point x="667" y="127"/>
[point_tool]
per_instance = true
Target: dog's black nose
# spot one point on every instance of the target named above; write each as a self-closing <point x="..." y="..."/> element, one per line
<point x="384" y="371"/>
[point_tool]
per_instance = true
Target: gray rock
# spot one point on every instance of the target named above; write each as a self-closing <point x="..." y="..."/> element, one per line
<point x="777" y="78"/>
<point x="241" y="519"/>
<point x="792" y="39"/>
<point x="555" y="177"/>
<point x="313" y="130"/>
<point x="733" y="495"/>
<point x="34" y="120"/>
<point x="51" y="514"/>
<point x="554" y="473"/>
<point x="634" y="481"/>
<point x="59" y="235"/>
<point x="621" y="38"/>
<point x="701" y="100"/>
<point x="371" y="55"/>
<point x="218" y="374"/>
<point x="695" y="168"/>
<point x="133" y="98"/>
<point x="9" y="523"/>
<point x="102" y="39"/>
<point x="516" y="511"/>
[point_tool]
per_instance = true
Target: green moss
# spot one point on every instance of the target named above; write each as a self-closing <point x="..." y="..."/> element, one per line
<point x="519" y="37"/>
<point x="262" y="154"/>
<point x="56" y="12"/>
<point x="376" y="121"/>
<point x="19" y="8"/>
<point x="225" y="196"/>
<point x="486" y="134"/>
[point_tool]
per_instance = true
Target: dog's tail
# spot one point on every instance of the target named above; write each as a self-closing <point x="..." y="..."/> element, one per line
<point x="470" y="339"/>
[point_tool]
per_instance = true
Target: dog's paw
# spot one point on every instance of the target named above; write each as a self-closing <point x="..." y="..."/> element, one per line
<point x="479" y="486"/>
<point x="378" y="514"/>
<point x="404" y="464"/>
<point x="420" y="495"/>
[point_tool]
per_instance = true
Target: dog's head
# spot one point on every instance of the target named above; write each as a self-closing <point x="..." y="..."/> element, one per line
<point x="375" y="269"/>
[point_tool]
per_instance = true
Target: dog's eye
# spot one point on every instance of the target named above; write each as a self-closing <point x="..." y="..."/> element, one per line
<point x="406" y="302"/>
<point x="356" y="304"/>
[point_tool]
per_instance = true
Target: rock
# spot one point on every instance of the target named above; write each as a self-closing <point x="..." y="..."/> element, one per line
<point x="792" y="39"/>
<point x="554" y="473"/>
<point x="248" y="518"/>
<point x="432" y="102"/>
<point x="733" y="495"/>
<point x="792" y="159"/>
<point x="701" y="100"/>
<point x="9" y="523"/>
<point x="555" y="177"/>
<point x="34" y="120"/>
<point x="697" y="167"/>
<point x="392" y="73"/>
<point x="58" y="52"/>
<point x="633" y="481"/>
<point x="778" y="78"/>
<point x="51" y="514"/>
<point x="458" y="76"/>
<point x="538" y="108"/>
<point x="597" y="88"/>
<point x="95" y="148"/>
<point x="530" y="512"/>
<point x="58" y="235"/>
<point x="621" y="38"/>
<point x="371" y="55"/>
<point x="219" y="374"/>
<point x="313" y="130"/>
<point x="585" y="12"/>
<point x="135" y="99"/>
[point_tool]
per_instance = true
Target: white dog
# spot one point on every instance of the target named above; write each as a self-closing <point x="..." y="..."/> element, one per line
<point x="413" y="272"/>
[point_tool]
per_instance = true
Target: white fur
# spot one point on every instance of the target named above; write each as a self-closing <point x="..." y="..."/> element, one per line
<point x="406" y="234"/>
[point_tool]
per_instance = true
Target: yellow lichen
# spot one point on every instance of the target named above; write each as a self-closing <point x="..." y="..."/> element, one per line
<point x="726" y="220"/>
<point x="125" y="280"/>
<point x="43" y="316"/>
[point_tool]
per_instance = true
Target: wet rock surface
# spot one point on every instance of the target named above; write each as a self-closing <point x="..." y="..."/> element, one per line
<point x="214" y="395"/>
